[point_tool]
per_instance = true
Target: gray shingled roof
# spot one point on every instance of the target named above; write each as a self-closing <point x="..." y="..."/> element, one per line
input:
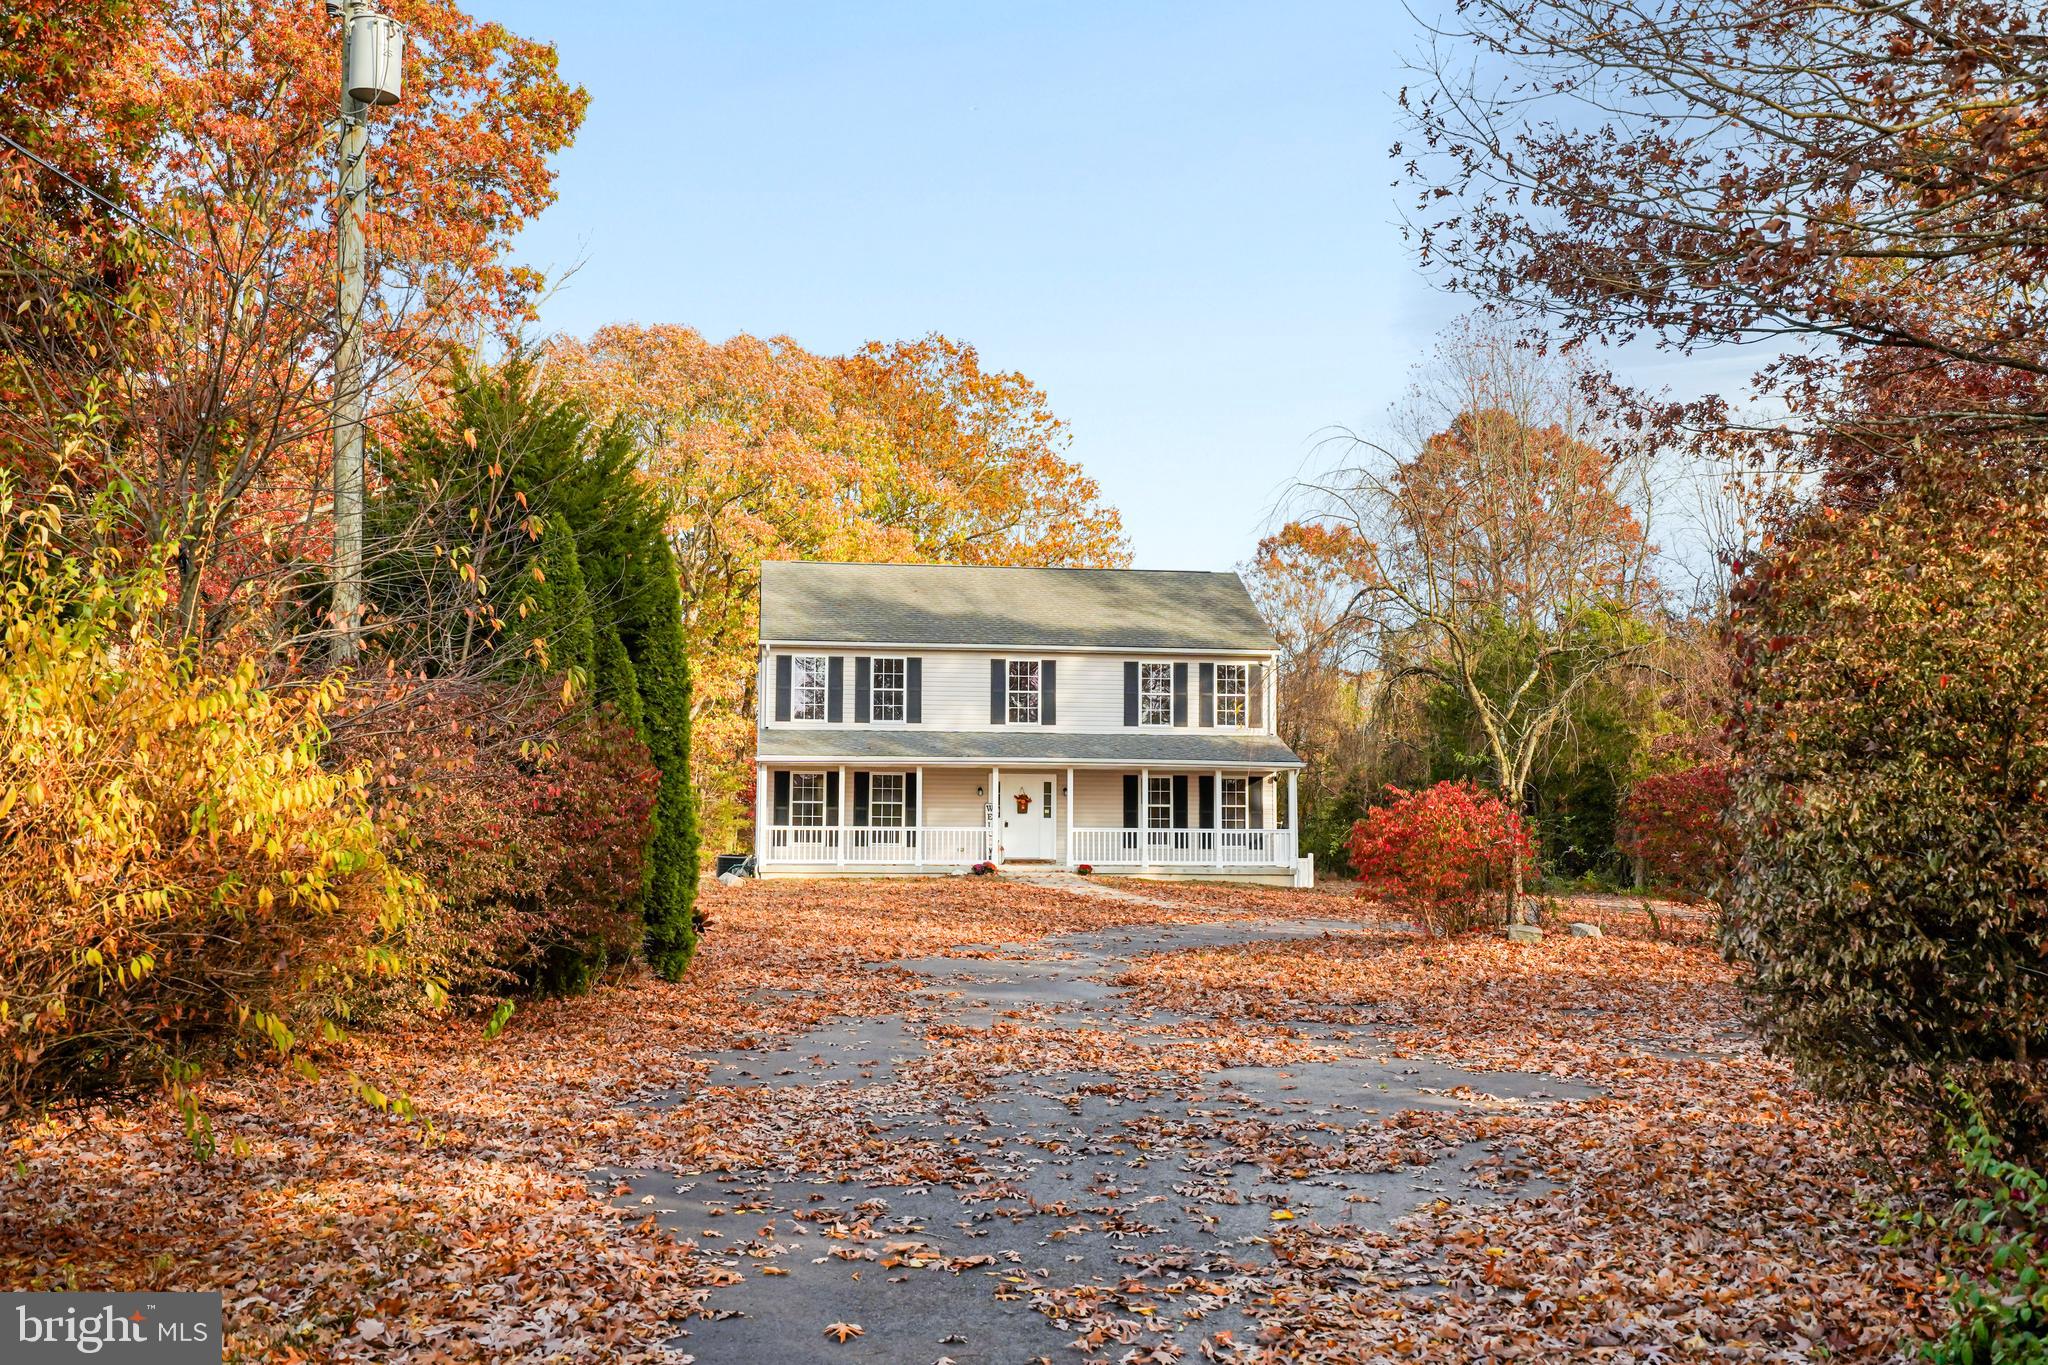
<point x="942" y="604"/>
<point x="967" y="746"/>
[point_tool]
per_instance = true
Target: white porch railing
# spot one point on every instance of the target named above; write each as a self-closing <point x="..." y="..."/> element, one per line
<point x="960" y="845"/>
<point x="1183" y="847"/>
<point x="935" y="845"/>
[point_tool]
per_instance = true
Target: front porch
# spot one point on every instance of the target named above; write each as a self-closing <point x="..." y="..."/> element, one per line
<point x="845" y="820"/>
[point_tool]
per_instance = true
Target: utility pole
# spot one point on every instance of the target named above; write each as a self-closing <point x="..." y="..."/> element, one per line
<point x="372" y="58"/>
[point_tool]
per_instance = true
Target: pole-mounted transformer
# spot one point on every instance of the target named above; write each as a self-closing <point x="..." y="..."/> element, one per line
<point x="376" y="58"/>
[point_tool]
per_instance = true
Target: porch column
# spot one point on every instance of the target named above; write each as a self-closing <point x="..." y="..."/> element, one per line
<point x="1067" y="803"/>
<point x="845" y="803"/>
<point x="1294" y="811"/>
<point x="918" y="816"/>
<point x="1144" y="819"/>
<point x="1216" y="817"/>
<point x="992" y="816"/>
<point x="764" y="816"/>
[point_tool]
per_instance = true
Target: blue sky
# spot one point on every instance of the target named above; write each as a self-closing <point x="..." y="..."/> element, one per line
<point x="1177" y="219"/>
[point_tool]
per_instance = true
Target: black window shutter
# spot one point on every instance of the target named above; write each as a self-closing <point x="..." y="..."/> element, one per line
<point x="782" y="798"/>
<point x="1180" y="694"/>
<point x="782" y="687"/>
<point x="1130" y="800"/>
<point x="913" y="689"/>
<point x="860" y="798"/>
<point x="1255" y="704"/>
<point x="1131" y="694"/>
<point x="910" y="798"/>
<point x="1255" y="797"/>
<point x="998" y="692"/>
<point x="1048" y="691"/>
<point x="1180" y="801"/>
<point x="1208" y="714"/>
<point x="1205" y="803"/>
<point x="860" y="689"/>
<point x="831" y="798"/>
<point x="835" y="689"/>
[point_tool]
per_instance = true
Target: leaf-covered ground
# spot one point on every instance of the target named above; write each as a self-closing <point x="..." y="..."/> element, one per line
<point x="986" y="1120"/>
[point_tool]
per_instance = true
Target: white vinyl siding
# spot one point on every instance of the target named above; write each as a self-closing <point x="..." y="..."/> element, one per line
<point x="954" y="688"/>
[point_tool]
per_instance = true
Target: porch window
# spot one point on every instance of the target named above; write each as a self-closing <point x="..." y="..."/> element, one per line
<point x="807" y="799"/>
<point x="1236" y="804"/>
<point x="1159" y="803"/>
<point x="885" y="801"/>
<point x="807" y="689"/>
<point x="1023" y="691"/>
<point x="1232" y="689"/>
<point x="886" y="699"/>
<point x="1155" y="694"/>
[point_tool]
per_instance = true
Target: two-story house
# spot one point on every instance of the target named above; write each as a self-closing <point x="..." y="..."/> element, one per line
<point x="920" y="718"/>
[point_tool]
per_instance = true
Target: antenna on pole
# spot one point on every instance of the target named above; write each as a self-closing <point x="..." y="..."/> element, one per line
<point x="372" y="73"/>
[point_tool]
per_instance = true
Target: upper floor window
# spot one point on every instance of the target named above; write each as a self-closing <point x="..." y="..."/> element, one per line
<point x="885" y="800"/>
<point x="1155" y="694"/>
<point x="1233" y="690"/>
<point x="807" y="799"/>
<point x="1159" y="803"/>
<point x="1024" y="697"/>
<point x="886" y="699"/>
<point x="1236" y="804"/>
<point x="807" y="687"/>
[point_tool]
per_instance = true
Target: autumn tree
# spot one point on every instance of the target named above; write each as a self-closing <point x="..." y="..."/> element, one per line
<point x="764" y="450"/>
<point x="179" y="181"/>
<point x="1857" y="171"/>
<point x="1498" y="552"/>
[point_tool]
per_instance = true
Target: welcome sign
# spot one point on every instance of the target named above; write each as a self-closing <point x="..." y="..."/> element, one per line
<point x="122" y="1329"/>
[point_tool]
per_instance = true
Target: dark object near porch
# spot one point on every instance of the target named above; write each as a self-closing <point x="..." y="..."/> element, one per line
<point x="984" y="869"/>
<point x="732" y="862"/>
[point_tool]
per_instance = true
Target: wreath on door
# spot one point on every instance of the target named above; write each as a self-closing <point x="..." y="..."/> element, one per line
<point x="1023" y="803"/>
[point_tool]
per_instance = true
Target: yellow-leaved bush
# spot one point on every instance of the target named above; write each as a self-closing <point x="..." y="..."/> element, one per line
<point x="180" y="877"/>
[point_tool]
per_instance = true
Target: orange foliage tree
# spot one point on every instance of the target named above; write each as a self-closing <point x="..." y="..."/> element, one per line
<point x="764" y="450"/>
<point x="190" y="148"/>
<point x="1496" y="554"/>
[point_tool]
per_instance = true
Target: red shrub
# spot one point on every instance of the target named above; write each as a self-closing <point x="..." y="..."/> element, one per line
<point x="1675" y="826"/>
<point x="530" y="824"/>
<point x="1440" y="854"/>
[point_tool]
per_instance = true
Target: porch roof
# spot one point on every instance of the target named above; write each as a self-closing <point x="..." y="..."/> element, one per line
<point x="1161" y="748"/>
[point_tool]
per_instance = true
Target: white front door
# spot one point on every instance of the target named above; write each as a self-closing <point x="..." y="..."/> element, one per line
<point x="1027" y="818"/>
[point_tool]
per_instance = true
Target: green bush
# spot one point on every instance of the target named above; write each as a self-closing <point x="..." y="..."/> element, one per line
<point x="670" y="892"/>
<point x="1998" y="1287"/>
<point x="551" y="623"/>
<point x="1891" y="801"/>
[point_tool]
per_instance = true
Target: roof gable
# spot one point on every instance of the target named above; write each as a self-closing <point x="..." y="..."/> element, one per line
<point x="943" y="604"/>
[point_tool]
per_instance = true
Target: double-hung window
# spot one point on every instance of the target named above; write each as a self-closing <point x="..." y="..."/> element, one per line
<point x="1159" y="803"/>
<point x="807" y="799"/>
<point x="1233" y="686"/>
<point x="885" y="801"/>
<point x="1024" y="698"/>
<point x="887" y="690"/>
<point x="1236" y="803"/>
<point x="808" y="673"/>
<point x="1155" y="694"/>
